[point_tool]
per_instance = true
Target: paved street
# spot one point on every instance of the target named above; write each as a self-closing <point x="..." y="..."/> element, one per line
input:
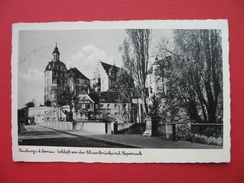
<point x="49" y="136"/>
<point x="41" y="136"/>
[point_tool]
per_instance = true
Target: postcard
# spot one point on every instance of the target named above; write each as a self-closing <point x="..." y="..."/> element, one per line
<point x="151" y="91"/>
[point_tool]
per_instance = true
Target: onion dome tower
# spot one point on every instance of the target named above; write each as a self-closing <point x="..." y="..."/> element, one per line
<point x="55" y="75"/>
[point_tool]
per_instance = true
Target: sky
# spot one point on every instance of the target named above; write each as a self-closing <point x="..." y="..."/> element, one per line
<point x="78" y="48"/>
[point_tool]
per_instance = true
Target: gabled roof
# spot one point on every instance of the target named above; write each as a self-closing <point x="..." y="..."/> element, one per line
<point x="107" y="67"/>
<point x="94" y="96"/>
<point x="83" y="96"/>
<point x="54" y="113"/>
<point x="77" y="73"/>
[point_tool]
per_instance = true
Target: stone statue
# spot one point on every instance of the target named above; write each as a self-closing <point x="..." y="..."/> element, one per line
<point x="152" y="102"/>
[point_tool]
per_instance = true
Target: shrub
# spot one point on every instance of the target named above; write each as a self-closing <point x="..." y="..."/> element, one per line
<point x="207" y="140"/>
<point x="183" y="131"/>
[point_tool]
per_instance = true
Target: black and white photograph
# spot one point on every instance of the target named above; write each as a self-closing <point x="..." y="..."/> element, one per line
<point x="127" y="91"/>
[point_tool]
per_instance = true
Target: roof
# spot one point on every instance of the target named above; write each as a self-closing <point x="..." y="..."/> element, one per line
<point x="94" y="96"/>
<point x="107" y="67"/>
<point x="54" y="113"/>
<point x="83" y="96"/>
<point x="56" y="50"/>
<point x="54" y="65"/>
<point x="77" y="73"/>
<point x="113" y="97"/>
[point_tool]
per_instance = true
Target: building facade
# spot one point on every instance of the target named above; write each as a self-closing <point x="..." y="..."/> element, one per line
<point x="104" y="77"/>
<point x="55" y="75"/>
<point x="77" y="81"/>
<point x="113" y="106"/>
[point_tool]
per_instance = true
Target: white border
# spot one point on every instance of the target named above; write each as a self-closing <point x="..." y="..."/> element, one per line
<point x="149" y="155"/>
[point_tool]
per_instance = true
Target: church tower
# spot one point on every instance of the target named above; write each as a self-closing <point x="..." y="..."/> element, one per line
<point x="55" y="74"/>
<point x="56" y="54"/>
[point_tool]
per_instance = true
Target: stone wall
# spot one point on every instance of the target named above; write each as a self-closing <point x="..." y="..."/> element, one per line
<point x="166" y="130"/>
<point x="58" y="124"/>
<point x="94" y="127"/>
<point x="120" y="128"/>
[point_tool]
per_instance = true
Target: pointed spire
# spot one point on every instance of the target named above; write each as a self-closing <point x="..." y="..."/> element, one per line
<point x="56" y="53"/>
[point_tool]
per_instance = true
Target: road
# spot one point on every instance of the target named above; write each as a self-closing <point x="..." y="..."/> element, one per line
<point x="42" y="136"/>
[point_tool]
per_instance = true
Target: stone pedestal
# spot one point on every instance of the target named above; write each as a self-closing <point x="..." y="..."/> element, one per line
<point x="151" y="125"/>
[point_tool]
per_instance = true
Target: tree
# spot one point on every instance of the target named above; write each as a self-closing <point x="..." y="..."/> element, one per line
<point x="197" y="73"/>
<point x="48" y="103"/>
<point x="135" y="57"/>
<point x="30" y="104"/>
<point x="66" y="96"/>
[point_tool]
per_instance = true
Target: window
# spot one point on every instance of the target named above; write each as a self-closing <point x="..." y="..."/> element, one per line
<point x="83" y="106"/>
<point x="115" y="105"/>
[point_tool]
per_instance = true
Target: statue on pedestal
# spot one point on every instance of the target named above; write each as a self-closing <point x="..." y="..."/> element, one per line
<point x="152" y="108"/>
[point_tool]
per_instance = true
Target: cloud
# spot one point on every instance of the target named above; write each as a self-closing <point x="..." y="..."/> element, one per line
<point x="30" y="86"/>
<point x="87" y="58"/>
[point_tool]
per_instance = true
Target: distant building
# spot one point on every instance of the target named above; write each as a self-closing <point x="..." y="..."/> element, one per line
<point x="102" y="100"/>
<point x="113" y="106"/>
<point x="104" y="77"/>
<point x="158" y="74"/>
<point x="85" y="106"/>
<point x="41" y="114"/>
<point x="55" y="114"/>
<point x="55" y="74"/>
<point x="38" y="113"/>
<point x="77" y="81"/>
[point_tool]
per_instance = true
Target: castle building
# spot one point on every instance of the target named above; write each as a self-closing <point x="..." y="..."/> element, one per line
<point x="103" y="102"/>
<point x="104" y="77"/>
<point x="55" y="75"/>
<point x="77" y="81"/>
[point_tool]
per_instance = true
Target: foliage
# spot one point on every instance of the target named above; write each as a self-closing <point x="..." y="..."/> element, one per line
<point x="207" y="140"/>
<point x="183" y="131"/>
<point x="48" y="103"/>
<point x="66" y="96"/>
<point x="30" y="104"/>
<point x="196" y="77"/>
<point x="135" y="56"/>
